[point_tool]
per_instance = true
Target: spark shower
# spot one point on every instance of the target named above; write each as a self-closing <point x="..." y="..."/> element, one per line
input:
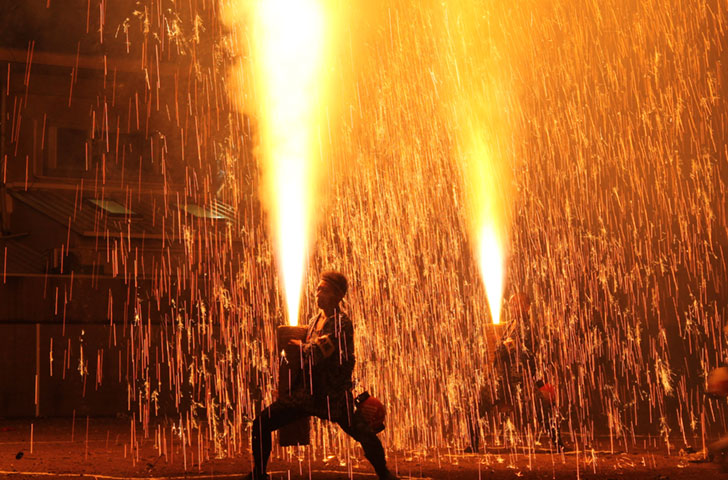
<point x="580" y="144"/>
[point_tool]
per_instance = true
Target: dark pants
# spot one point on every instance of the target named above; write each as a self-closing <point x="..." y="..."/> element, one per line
<point x="339" y="410"/>
<point x="548" y="417"/>
<point x="546" y="414"/>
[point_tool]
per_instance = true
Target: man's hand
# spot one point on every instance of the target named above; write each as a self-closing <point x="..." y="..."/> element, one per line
<point x="510" y="344"/>
<point x="293" y="350"/>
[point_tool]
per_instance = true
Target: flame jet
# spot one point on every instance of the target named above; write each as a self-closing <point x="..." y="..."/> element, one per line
<point x="477" y="106"/>
<point x="283" y="83"/>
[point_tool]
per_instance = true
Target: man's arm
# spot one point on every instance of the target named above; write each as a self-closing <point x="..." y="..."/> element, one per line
<point x="337" y="337"/>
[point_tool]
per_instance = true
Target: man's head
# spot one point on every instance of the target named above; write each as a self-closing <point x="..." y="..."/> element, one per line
<point x="331" y="289"/>
<point x="519" y="306"/>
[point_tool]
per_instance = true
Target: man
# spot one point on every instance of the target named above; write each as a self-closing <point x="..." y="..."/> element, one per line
<point x="515" y="366"/>
<point x="514" y="357"/>
<point x="324" y="388"/>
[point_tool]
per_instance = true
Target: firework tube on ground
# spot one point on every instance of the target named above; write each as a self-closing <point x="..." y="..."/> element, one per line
<point x="289" y="370"/>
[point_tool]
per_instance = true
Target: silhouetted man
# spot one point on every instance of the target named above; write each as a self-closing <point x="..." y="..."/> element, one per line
<point x="324" y="388"/>
<point x="515" y="366"/>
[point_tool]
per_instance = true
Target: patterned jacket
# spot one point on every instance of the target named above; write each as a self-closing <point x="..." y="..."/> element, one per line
<point x="514" y="356"/>
<point x="329" y="356"/>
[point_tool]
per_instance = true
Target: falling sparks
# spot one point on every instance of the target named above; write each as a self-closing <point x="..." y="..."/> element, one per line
<point x="585" y="147"/>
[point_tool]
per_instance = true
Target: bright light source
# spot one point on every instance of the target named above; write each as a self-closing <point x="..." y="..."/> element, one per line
<point x="286" y="42"/>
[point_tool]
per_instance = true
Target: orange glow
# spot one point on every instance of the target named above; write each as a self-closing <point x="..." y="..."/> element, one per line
<point x="488" y="224"/>
<point x="491" y="260"/>
<point x="286" y="40"/>
<point x="478" y="106"/>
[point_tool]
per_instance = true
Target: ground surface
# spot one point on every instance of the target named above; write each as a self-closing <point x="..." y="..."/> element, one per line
<point x="63" y="451"/>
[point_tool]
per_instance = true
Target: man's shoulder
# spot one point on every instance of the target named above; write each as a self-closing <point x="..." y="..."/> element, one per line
<point x="342" y="318"/>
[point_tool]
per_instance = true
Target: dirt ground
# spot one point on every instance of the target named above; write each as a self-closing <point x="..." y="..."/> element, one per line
<point x="61" y="450"/>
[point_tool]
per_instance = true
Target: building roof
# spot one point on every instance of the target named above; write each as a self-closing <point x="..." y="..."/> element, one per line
<point x="16" y="257"/>
<point x="147" y="215"/>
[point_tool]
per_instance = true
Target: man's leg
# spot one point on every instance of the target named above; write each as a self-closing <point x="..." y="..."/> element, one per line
<point x="357" y="428"/>
<point x="548" y="417"/>
<point x="277" y="415"/>
<point x="473" y="433"/>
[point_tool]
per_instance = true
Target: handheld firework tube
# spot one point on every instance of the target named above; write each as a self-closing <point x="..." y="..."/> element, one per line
<point x="298" y="432"/>
<point x="493" y="334"/>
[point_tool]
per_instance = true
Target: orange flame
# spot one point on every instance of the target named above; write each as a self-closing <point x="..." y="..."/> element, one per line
<point x="492" y="262"/>
<point x="286" y="40"/>
<point x="478" y="104"/>
<point x="486" y="182"/>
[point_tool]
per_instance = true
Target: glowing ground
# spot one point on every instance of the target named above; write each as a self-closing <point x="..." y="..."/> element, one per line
<point x="102" y="452"/>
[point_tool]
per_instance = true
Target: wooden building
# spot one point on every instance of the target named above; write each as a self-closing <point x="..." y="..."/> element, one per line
<point x="106" y="172"/>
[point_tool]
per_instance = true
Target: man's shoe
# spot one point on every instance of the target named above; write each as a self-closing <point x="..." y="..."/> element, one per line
<point x="257" y="476"/>
<point x="388" y="476"/>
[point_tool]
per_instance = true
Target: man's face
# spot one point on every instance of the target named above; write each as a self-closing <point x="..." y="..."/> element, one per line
<point x="326" y="296"/>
